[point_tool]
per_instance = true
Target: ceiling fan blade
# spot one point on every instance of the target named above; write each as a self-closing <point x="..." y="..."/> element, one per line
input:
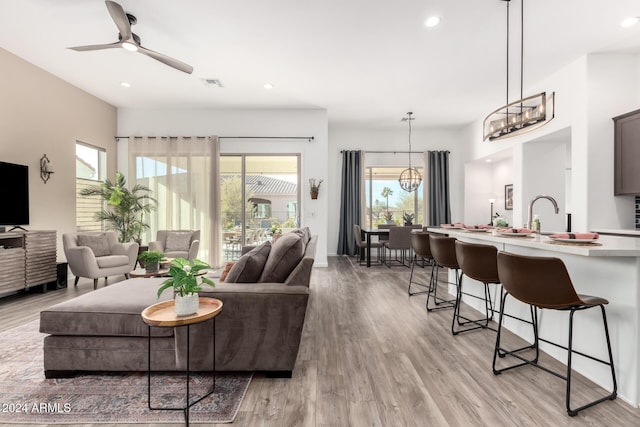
<point x="120" y="18"/>
<point x="95" y="47"/>
<point x="178" y="65"/>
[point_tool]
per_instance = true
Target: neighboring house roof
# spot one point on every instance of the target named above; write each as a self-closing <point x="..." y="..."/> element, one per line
<point x="261" y="184"/>
<point x="86" y="168"/>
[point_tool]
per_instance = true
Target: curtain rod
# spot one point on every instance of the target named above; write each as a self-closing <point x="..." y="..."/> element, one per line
<point x="392" y="152"/>
<point x="389" y="152"/>
<point x="308" y="138"/>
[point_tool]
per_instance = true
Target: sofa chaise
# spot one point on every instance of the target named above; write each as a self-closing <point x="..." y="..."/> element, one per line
<point x="259" y="328"/>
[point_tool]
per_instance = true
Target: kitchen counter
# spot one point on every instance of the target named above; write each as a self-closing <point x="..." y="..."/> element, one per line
<point x="607" y="246"/>
<point x="609" y="269"/>
<point x="628" y="232"/>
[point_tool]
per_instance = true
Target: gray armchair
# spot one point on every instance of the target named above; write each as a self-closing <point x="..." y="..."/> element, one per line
<point x="98" y="254"/>
<point x="177" y="243"/>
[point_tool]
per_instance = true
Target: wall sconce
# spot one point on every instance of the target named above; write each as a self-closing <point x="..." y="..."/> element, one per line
<point x="45" y="168"/>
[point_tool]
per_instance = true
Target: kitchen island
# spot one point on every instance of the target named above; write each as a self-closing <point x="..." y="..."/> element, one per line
<point x="609" y="268"/>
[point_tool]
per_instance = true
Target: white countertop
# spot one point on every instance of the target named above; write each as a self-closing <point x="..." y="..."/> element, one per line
<point x="627" y="232"/>
<point x="607" y="246"/>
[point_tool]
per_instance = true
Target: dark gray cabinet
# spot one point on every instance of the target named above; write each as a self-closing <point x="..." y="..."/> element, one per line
<point x="627" y="153"/>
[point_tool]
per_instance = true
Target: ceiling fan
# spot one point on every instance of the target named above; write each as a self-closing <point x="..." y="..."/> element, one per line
<point x="130" y="41"/>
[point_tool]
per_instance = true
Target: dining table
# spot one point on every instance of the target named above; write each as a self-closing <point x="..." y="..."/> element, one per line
<point x="368" y="232"/>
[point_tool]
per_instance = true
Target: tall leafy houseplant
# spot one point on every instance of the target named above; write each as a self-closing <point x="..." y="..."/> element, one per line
<point x="125" y="208"/>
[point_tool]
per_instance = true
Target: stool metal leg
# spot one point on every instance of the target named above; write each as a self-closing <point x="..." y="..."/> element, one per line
<point x="412" y="282"/>
<point x="501" y="352"/>
<point x="439" y="302"/>
<point x="482" y="323"/>
<point x="614" y="393"/>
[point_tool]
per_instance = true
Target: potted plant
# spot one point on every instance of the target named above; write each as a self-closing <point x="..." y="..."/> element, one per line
<point x="408" y="218"/>
<point x="184" y="282"/>
<point x="498" y="221"/>
<point x="125" y="208"/>
<point x="388" y="216"/>
<point x="151" y="260"/>
<point x="314" y="188"/>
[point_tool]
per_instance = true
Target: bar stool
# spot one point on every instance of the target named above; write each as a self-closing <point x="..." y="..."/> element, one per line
<point x="443" y="250"/>
<point x="544" y="283"/>
<point x="478" y="262"/>
<point x="421" y="249"/>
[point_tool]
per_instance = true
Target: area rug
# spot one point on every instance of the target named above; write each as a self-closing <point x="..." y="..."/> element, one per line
<point x="27" y="397"/>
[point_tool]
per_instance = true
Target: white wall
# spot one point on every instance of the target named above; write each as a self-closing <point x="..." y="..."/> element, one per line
<point x="42" y="114"/>
<point x="348" y="138"/>
<point x="202" y="122"/>
<point x="483" y="181"/>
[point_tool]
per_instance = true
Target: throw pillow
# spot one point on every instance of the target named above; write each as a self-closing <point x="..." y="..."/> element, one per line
<point x="250" y="265"/>
<point x="98" y="243"/>
<point x="286" y="253"/>
<point x="305" y="233"/>
<point x="178" y="241"/>
<point x="226" y="270"/>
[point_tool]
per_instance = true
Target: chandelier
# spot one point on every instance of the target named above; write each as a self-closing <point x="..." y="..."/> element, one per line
<point x="410" y="178"/>
<point x="525" y="114"/>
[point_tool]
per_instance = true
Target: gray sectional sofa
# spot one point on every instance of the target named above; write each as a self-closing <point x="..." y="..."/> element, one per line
<point x="259" y="328"/>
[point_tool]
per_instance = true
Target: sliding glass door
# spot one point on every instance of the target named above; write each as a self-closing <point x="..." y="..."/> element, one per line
<point x="260" y="194"/>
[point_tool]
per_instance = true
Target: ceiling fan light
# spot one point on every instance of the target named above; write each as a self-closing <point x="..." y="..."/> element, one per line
<point x="131" y="47"/>
<point x="432" y="21"/>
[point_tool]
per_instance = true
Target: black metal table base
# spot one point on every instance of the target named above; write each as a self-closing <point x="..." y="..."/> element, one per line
<point x="188" y="404"/>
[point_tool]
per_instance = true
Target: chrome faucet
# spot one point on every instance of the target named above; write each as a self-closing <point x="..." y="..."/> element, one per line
<point x="551" y="199"/>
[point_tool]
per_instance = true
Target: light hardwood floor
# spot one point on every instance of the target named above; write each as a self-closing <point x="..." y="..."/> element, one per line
<point x="372" y="356"/>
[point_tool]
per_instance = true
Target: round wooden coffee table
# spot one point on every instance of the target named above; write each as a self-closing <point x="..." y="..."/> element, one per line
<point x="163" y="315"/>
<point x="141" y="272"/>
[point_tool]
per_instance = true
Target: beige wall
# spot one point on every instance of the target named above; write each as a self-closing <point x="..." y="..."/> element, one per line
<point x="42" y="114"/>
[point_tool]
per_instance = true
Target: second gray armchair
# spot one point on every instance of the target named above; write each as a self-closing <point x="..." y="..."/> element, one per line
<point x="177" y="243"/>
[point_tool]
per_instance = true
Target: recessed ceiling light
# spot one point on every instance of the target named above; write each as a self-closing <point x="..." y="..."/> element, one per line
<point x="268" y="86"/>
<point x="432" y="21"/>
<point x="488" y="160"/>
<point x="125" y="84"/>
<point x="629" y="22"/>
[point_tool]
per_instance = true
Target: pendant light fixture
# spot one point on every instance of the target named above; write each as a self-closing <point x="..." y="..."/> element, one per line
<point x="410" y="178"/>
<point x="525" y="114"/>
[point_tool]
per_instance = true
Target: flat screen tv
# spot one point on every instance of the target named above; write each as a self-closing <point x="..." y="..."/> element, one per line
<point x="14" y="194"/>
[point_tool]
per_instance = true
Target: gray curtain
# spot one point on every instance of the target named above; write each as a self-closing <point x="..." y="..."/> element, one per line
<point x="439" y="205"/>
<point x="350" y="201"/>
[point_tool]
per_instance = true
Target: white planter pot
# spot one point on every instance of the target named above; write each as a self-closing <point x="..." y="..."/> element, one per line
<point x="186" y="305"/>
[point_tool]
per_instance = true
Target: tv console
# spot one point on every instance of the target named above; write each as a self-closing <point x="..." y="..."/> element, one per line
<point x="27" y="259"/>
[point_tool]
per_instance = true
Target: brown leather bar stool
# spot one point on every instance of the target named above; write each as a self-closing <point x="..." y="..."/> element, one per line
<point x="544" y="283"/>
<point x="478" y="262"/>
<point x="421" y="251"/>
<point x="443" y="250"/>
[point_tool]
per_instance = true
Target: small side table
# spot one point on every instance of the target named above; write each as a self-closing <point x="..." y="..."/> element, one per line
<point x="141" y="272"/>
<point x="163" y="315"/>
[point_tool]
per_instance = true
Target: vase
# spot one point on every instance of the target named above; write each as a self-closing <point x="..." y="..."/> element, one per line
<point x="152" y="267"/>
<point x="186" y="305"/>
<point x="314" y="195"/>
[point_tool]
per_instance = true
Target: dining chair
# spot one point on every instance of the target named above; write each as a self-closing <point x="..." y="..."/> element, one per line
<point x="400" y="243"/>
<point x="362" y="246"/>
<point x="544" y="283"/>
